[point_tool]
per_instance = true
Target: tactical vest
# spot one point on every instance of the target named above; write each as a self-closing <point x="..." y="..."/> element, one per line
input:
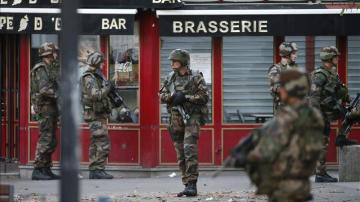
<point x="297" y="159"/>
<point x="332" y="89"/>
<point x="278" y="69"/>
<point x="36" y="98"/>
<point x="304" y="145"/>
<point x="92" y="108"/>
<point x="187" y="85"/>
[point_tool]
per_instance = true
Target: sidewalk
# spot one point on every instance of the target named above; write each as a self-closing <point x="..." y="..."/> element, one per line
<point x="227" y="188"/>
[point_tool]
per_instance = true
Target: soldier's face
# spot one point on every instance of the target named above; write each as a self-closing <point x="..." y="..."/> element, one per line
<point x="293" y="57"/>
<point x="48" y="59"/>
<point x="175" y="65"/>
<point x="335" y="60"/>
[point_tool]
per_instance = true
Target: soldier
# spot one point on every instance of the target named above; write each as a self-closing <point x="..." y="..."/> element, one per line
<point x="96" y="109"/>
<point x="327" y="94"/>
<point x="283" y="152"/>
<point x="288" y="53"/>
<point x="186" y="95"/>
<point x="44" y="96"/>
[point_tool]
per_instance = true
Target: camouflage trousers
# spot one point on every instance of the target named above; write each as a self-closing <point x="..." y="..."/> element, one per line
<point x="185" y="140"/>
<point x="291" y="190"/>
<point x="100" y="144"/>
<point x="46" y="145"/>
<point x="321" y="164"/>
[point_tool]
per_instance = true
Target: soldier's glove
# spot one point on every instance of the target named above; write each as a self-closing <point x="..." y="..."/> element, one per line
<point x="178" y="98"/>
<point x="106" y="89"/>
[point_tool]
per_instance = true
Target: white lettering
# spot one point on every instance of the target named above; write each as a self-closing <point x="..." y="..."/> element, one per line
<point x="105" y="23"/>
<point x="165" y="1"/>
<point x="254" y="26"/>
<point x="235" y="26"/>
<point x="201" y="27"/>
<point x="212" y="26"/>
<point x="122" y="23"/>
<point x="245" y="25"/>
<point x="32" y="1"/>
<point x="224" y="26"/>
<point x="177" y="27"/>
<point x="55" y="1"/>
<point x="189" y="25"/>
<point x="113" y="24"/>
<point x="263" y="26"/>
<point x="8" y="21"/>
<point x="57" y="24"/>
<point x="3" y="1"/>
<point x="38" y="23"/>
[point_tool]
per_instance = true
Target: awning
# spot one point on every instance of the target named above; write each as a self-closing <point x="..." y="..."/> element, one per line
<point x="47" y="20"/>
<point x="215" y="20"/>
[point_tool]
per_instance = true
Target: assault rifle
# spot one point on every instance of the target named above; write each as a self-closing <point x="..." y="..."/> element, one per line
<point x="238" y="155"/>
<point x="341" y="138"/>
<point x="114" y="96"/>
<point x="185" y="116"/>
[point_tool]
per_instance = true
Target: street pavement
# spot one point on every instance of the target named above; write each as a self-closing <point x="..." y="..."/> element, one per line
<point x="227" y="188"/>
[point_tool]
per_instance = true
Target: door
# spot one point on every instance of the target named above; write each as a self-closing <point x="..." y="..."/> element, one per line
<point x="9" y="88"/>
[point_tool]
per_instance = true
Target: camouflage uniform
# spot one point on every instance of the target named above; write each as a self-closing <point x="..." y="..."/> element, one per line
<point x="327" y="94"/>
<point x="185" y="135"/>
<point x="286" y="151"/>
<point x="96" y="109"/>
<point x="274" y="72"/>
<point x="44" y="94"/>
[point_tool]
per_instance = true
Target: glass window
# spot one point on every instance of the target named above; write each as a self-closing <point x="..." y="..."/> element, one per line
<point x="353" y="73"/>
<point x="301" y="54"/>
<point x="246" y="95"/>
<point x="124" y="71"/>
<point x="36" y="41"/>
<point x="200" y="59"/>
<point x="86" y="45"/>
<point x="320" y="42"/>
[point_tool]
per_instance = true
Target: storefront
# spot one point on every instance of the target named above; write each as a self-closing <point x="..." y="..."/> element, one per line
<point x="232" y="44"/>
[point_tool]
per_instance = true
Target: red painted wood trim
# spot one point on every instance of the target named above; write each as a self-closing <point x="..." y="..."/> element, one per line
<point x="104" y="44"/>
<point x="277" y="41"/>
<point x="217" y="97"/>
<point x="341" y="42"/>
<point x="24" y="96"/>
<point x="149" y="88"/>
<point x="309" y="53"/>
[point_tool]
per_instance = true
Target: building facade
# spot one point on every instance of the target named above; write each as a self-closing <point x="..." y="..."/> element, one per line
<point x="232" y="43"/>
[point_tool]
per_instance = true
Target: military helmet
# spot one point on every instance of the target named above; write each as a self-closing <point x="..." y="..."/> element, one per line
<point x="47" y="48"/>
<point x="95" y="59"/>
<point x="286" y="48"/>
<point x="296" y="83"/>
<point x="180" y="55"/>
<point x="328" y="53"/>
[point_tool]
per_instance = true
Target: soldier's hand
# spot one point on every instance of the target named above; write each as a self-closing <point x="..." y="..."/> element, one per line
<point x="106" y="89"/>
<point x="178" y="98"/>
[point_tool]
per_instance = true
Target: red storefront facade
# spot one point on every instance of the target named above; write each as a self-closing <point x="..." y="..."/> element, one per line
<point x="145" y="143"/>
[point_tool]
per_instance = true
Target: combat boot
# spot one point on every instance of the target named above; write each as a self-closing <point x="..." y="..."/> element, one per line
<point x="99" y="174"/>
<point x="39" y="174"/>
<point x="325" y="178"/>
<point x="50" y="173"/>
<point x="341" y="140"/>
<point x="180" y="194"/>
<point x="191" y="189"/>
